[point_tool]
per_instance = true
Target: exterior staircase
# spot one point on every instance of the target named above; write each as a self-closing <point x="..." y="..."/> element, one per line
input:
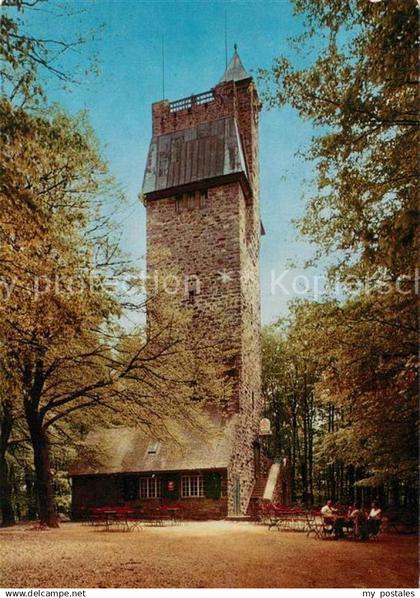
<point x="264" y="489"/>
<point x="257" y="496"/>
<point x="259" y="487"/>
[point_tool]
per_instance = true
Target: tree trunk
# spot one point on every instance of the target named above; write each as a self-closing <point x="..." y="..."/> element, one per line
<point x="331" y="466"/>
<point x="350" y="484"/>
<point x="395" y="493"/>
<point x="304" y="464"/>
<point x="14" y="484"/>
<point x="30" y="487"/>
<point x="7" y="514"/>
<point x="293" y="453"/>
<point x="311" y="450"/>
<point x="44" y="482"/>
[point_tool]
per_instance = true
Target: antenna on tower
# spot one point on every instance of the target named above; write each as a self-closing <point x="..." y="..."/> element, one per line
<point x="226" y="40"/>
<point x="163" y="67"/>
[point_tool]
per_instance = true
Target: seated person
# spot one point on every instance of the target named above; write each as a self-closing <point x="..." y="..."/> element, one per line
<point x="374" y="519"/>
<point x="358" y="516"/>
<point x="328" y="509"/>
<point x="329" y="514"/>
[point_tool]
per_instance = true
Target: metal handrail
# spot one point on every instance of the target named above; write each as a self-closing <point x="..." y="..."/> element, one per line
<point x="186" y="103"/>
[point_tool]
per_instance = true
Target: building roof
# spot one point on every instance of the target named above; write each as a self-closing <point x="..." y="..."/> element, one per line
<point x="235" y="70"/>
<point x="209" y="150"/>
<point x="126" y="450"/>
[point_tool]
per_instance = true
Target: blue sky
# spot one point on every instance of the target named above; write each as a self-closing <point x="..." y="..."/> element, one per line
<point x="119" y="101"/>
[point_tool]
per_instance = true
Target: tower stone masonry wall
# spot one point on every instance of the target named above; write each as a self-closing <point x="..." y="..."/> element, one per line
<point x="203" y="243"/>
<point x="251" y="401"/>
<point x="219" y="244"/>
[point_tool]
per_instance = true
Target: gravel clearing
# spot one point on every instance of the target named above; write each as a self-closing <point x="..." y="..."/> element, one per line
<point x="200" y="555"/>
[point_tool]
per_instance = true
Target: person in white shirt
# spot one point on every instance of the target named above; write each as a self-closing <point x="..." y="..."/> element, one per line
<point x="329" y="513"/>
<point x="374" y="519"/>
<point x="328" y="509"/>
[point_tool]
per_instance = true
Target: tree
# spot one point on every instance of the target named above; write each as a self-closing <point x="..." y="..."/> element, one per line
<point x="288" y="378"/>
<point x="359" y="92"/>
<point x="370" y="378"/>
<point x="13" y="436"/>
<point x="6" y="424"/>
<point x="45" y="200"/>
<point x="342" y="393"/>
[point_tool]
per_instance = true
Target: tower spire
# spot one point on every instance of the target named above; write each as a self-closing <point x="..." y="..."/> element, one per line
<point x="235" y="70"/>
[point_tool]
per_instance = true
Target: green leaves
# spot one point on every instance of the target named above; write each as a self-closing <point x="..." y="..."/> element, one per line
<point x="362" y="91"/>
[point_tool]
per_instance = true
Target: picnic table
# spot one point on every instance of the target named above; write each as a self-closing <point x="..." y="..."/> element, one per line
<point x="128" y="518"/>
<point x="166" y="512"/>
<point x="125" y="518"/>
<point x="282" y="517"/>
<point x="175" y="513"/>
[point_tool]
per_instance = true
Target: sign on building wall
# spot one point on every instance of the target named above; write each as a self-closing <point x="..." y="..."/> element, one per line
<point x="265" y="427"/>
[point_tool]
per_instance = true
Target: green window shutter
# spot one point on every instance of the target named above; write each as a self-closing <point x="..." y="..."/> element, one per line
<point x="170" y="486"/>
<point x="212" y="484"/>
<point x="130" y="487"/>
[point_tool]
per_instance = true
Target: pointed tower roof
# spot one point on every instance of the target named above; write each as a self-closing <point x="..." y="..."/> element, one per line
<point x="235" y="70"/>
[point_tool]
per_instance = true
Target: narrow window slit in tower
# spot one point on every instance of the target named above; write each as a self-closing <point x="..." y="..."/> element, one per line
<point x="191" y="200"/>
<point x="203" y="199"/>
<point x="192" y="288"/>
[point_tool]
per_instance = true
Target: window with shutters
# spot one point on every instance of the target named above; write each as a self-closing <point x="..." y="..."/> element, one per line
<point x="150" y="487"/>
<point x="192" y="485"/>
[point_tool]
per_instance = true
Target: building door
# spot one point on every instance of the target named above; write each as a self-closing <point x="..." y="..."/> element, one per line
<point x="237" y="496"/>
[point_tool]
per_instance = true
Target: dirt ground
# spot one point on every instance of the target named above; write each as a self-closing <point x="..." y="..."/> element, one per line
<point x="200" y="555"/>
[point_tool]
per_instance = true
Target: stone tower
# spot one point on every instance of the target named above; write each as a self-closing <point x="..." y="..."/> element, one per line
<point x="201" y="191"/>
